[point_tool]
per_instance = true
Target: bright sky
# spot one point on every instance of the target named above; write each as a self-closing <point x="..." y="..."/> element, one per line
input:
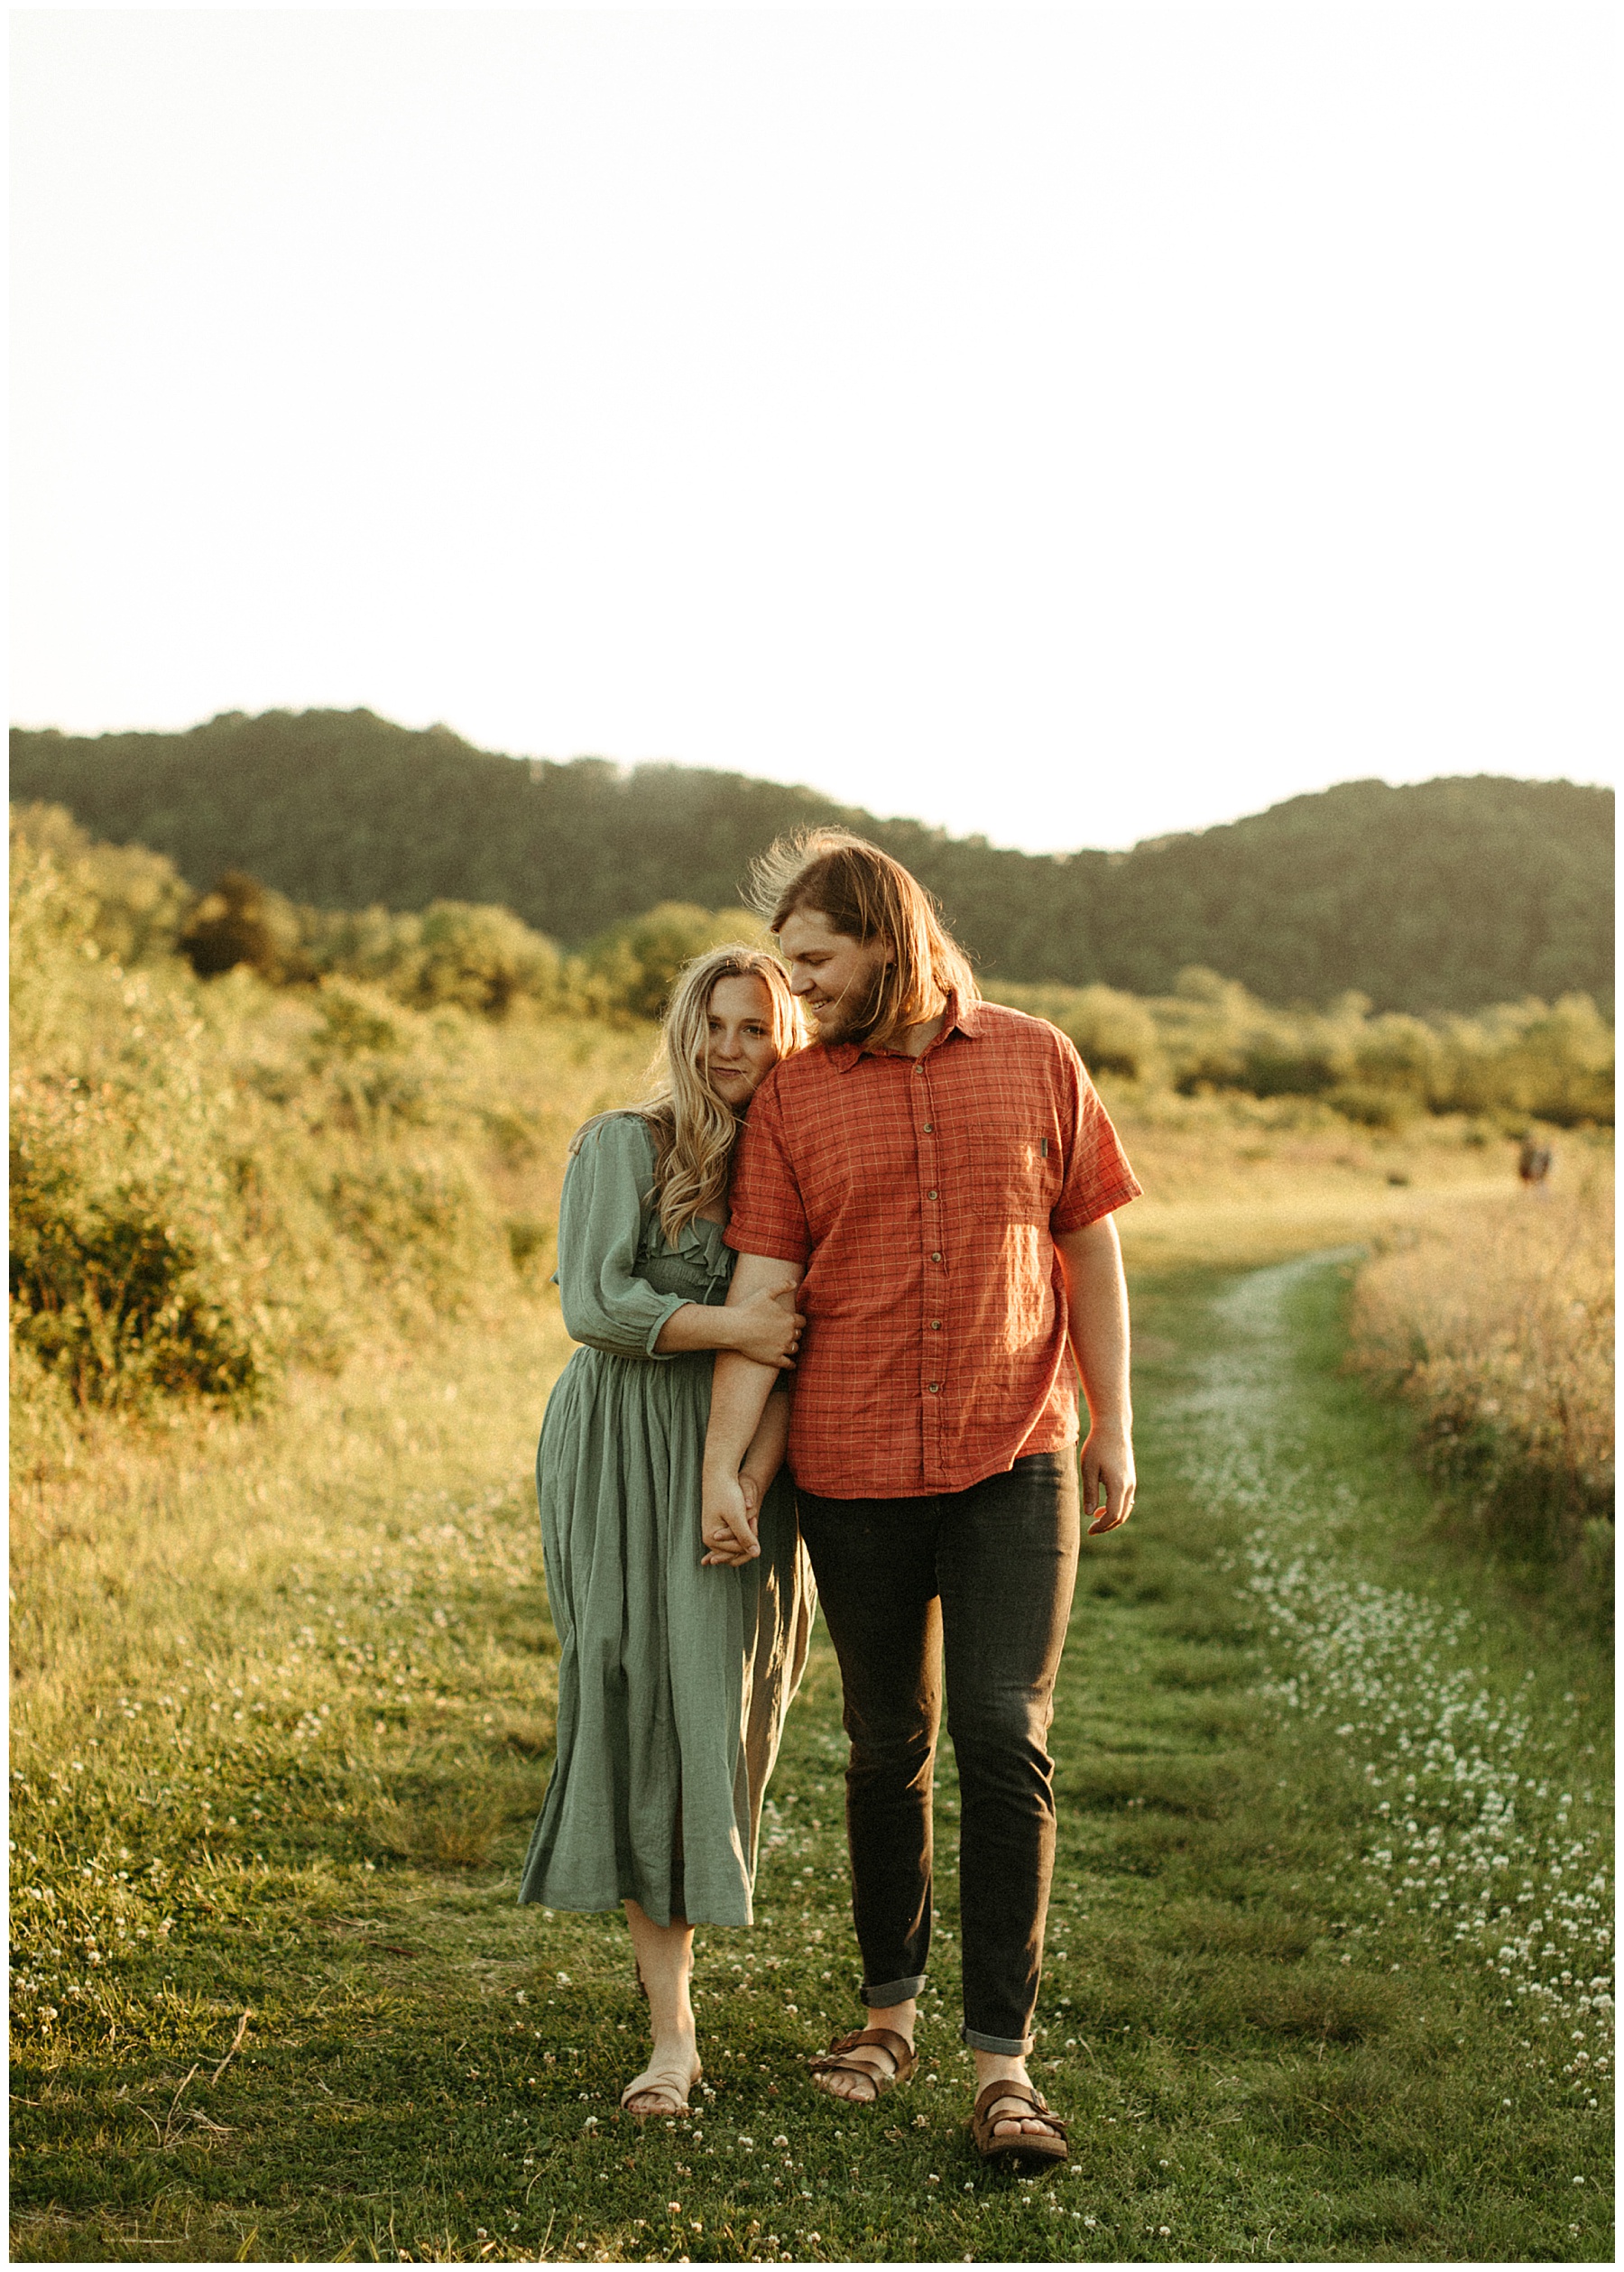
<point x="1071" y="425"/>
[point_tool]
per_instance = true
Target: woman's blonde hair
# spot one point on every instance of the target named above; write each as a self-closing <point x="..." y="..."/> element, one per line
<point x="694" y="1130"/>
<point x="867" y="896"/>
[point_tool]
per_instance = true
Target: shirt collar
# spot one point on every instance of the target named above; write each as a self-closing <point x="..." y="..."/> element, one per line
<point x="959" y="1018"/>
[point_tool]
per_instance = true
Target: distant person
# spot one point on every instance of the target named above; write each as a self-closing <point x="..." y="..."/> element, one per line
<point x="673" y="1677"/>
<point x="1534" y="1162"/>
<point x="937" y="1179"/>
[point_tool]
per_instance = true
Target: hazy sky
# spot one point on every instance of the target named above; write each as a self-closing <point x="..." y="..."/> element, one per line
<point x="1071" y="424"/>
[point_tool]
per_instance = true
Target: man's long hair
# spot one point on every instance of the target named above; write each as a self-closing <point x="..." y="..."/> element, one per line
<point x="694" y="1130"/>
<point x="868" y="896"/>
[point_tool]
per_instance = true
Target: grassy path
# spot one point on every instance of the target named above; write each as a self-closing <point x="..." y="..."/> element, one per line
<point x="1329" y="1970"/>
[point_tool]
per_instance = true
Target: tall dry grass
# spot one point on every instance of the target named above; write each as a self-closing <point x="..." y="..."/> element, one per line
<point x="1495" y="1319"/>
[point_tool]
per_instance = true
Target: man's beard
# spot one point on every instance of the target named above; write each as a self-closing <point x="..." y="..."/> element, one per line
<point x="852" y="1016"/>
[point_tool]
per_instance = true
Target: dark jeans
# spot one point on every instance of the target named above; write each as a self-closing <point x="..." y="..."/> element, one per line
<point x="984" y="1579"/>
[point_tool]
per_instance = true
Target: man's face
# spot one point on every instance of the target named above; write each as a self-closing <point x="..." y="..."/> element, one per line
<point x="834" y="975"/>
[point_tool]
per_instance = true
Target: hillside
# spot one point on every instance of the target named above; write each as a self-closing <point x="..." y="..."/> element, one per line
<point x="1443" y="896"/>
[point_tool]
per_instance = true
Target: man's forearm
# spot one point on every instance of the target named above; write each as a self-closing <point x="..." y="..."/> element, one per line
<point x="1097" y="1319"/>
<point x="739" y="1393"/>
<point x="1096" y="1307"/>
<point x="740" y="1387"/>
<point x="770" y="1441"/>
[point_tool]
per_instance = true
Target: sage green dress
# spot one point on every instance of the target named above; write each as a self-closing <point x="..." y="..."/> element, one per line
<point x="673" y="1678"/>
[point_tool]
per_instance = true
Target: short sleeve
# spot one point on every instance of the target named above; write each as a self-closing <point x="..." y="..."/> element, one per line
<point x="600" y="1223"/>
<point x="1098" y="1179"/>
<point x="766" y="1215"/>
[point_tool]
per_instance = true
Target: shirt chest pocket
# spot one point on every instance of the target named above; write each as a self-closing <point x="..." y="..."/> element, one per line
<point x="1014" y="1176"/>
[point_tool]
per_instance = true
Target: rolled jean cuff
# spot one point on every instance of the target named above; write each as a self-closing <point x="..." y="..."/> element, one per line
<point x="881" y="1995"/>
<point x="1006" y="2046"/>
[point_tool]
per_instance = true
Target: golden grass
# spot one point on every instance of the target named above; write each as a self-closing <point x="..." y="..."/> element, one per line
<point x="283" y="1695"/>
<point x="1234" y="1182"/>
<point x="1495" y="1318"/>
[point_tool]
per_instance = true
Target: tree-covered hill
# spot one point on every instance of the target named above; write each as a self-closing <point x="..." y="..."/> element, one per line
<point x="1442" y="896"/>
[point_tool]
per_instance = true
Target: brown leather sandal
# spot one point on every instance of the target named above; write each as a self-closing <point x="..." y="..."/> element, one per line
<point x="896" y="2048"/>
<point x="1033" y="2145"/>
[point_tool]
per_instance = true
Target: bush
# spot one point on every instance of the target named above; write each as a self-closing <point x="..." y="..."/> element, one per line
<point x="133" y="1269"/>
<point x="241" y="922"/>
<point x="1496" y="1322"/>
<point x="481" y="958"/>
<point x="1526" y="1059"/>
<point x="210" y="1180"/>
<point x="629" y="971"/>
<point x="121" y="900"/>
<point x="113" y="1299"/>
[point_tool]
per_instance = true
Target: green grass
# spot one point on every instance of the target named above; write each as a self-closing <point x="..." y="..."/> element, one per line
<point x="1273" y="2044"/>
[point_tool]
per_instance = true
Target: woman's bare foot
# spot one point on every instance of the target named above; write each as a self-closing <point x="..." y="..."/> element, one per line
<point x="664" y="2084"/>
<point x="665" y="1959"/>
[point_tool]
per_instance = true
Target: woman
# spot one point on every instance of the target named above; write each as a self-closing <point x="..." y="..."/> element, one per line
<point x="673" y="1677"/>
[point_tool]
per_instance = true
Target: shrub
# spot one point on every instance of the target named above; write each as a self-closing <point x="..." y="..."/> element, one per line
<point x="211" y="1180"/>
<point x="1554" y="1063"/>
<point x="1496" y="1322"/>
<point x="628" y="970"/>
<point x="481" y="958"/>
<point x="241" y="922"/>
<point x="127" y="903"/>
<point x="112" y="1298"/>
<point x="133" y="1269"/>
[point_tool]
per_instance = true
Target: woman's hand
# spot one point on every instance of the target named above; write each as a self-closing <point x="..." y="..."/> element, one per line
<point x="767" y="1328"/>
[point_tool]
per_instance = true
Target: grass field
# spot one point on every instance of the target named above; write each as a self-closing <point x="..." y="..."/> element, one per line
<point x="1329" y="1973"/>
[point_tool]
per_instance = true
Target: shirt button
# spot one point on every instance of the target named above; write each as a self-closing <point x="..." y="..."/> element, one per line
<point x="936" y="1258"/>
<point x="928" y="1126"/>
<point x="930" y="1194"/>
<point x="935" y="1325"/>
<point x="935" y="1388"/>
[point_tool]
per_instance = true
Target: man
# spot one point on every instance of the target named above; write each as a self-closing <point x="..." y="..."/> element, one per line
<point x="937" y="1176"/>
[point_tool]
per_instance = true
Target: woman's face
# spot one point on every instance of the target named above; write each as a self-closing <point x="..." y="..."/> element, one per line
<point x="741" y="1047"/>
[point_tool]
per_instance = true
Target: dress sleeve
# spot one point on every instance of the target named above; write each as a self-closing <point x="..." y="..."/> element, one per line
<point x="600" y="1219"/>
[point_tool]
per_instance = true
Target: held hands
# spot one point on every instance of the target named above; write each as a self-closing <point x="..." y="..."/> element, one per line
<point x="727" y="1521"/>
<point x="768" y="1328"/>
<point x="1108" y="1469"/>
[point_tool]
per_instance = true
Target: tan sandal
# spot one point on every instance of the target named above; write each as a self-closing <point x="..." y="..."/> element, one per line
<point x="663" y="2081"/>
<point x="1031" y="2146"/>
<point x="896" y="2048"/>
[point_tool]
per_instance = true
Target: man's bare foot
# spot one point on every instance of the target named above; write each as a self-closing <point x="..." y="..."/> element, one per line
<point x="1012" y="2117"/>
<point x="867" y="2070"/>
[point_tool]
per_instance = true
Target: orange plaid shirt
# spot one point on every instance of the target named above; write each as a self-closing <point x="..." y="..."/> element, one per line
<point x="922" y="1195"/>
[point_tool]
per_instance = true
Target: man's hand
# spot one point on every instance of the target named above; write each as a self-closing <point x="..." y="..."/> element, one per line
<point x="1096" y="1298"/>
<point x="1108" y="1468"/>
<point x="739" y="1391"/>
<point x="727" y="1521"/>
